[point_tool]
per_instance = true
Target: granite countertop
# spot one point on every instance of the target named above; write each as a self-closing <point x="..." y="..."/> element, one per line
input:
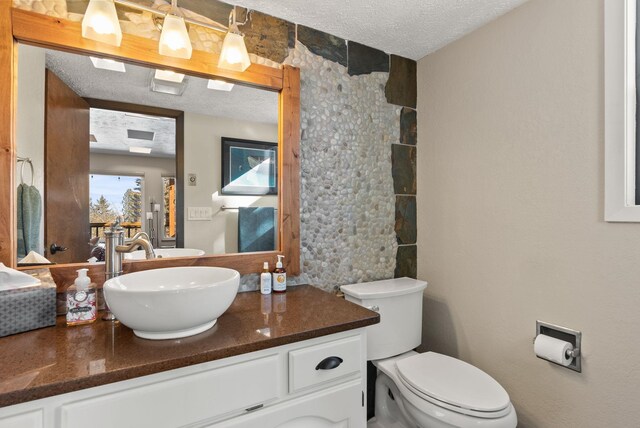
<point x="61" y="359"/>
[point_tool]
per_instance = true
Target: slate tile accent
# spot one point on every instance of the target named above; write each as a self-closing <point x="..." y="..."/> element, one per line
<point x="212" y="9"/>
<point x="80" y="6"/>
<point x="408" y="126"/>
<point x="402" y="87"/>
<point x="364" y="59"/>
<point x="265" y="35"/>
<point x="403" y="169"/>
<point x="406" y="224"/>
<point x="329" y="47"/>
<point x="407" y="261"/>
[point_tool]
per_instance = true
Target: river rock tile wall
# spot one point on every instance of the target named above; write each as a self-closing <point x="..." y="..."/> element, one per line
<point x="358" y="141"/>
<point x="347" y="198"/>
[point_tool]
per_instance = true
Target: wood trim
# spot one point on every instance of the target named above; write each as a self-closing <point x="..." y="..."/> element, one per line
<point x="164" y="112"/>
<point x="245" y="263"/>
<point x="41" y="30"/>
<point x="8" y="64"/>
<point x="48" y="32"/>
<point x="180" y="180"/>
<point x="133" y="108"/>
<point x="289" y="177"/>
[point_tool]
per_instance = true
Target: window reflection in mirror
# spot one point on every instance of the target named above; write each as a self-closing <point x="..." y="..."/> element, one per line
<point x="134" y="130"/>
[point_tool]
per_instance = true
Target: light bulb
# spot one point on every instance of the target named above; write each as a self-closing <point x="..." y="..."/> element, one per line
<point x="233" y="56"/>
<point x="100" y="22"/>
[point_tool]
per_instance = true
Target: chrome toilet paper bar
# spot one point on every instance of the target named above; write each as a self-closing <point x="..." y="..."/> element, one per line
<point x="554" y="352"/>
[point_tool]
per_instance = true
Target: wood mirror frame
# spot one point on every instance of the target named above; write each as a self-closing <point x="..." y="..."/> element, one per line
<point x="55" y="33"/>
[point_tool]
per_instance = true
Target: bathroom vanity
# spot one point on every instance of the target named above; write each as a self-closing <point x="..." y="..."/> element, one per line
<point x="297" y="359"/>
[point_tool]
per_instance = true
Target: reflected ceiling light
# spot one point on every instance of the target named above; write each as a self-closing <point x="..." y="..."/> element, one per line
<point x="108" y="64"/>
<point x="143" y="150"/>
<point x="174" y="39"/>
<point x="170" y="88"/>
<point x="100" y="22"/>
<point x="234" y="55"/>
<point x="219" y="85"/>
<point x="169" y="76"/>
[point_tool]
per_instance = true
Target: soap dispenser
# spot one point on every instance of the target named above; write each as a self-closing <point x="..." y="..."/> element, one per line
<point x="81" y="300"/>
<point x="279" y="282"/>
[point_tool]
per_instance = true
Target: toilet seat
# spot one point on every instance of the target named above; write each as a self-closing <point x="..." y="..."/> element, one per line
<point x="453" y="384"/>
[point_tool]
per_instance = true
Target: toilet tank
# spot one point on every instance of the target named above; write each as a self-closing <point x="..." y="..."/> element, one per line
<point x="399" y="302"/>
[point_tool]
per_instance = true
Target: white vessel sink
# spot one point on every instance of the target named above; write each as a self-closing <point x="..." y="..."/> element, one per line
<point x="164" y="253"/>
<point x="171" y="303"/>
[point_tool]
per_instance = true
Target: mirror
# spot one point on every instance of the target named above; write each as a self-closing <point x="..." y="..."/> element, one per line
<point x="86" y="128"/>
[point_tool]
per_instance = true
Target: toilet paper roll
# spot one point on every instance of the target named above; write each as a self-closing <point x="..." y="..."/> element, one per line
<point x="553" y="349"/>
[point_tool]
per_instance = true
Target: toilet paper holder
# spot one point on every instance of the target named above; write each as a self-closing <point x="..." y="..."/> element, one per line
<point x="568" y="335"/>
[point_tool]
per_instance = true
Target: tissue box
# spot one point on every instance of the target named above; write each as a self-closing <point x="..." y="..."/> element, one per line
<point x="25" y="309"/>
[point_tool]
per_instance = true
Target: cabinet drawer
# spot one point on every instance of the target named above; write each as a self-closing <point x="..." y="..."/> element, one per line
<point x="303" y="363"/>
<point x="181" y="401"/>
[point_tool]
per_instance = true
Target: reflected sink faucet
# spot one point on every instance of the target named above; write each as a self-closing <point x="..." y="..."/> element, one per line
<point x="140" y="239"/>
<point x="114" y="247"/>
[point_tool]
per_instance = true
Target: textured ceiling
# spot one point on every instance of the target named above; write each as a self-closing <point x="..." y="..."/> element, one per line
<point x="409" y="28"/>
<point x="110" y="131"/>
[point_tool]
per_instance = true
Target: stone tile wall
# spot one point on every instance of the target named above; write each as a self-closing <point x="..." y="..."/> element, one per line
<point x="358" y="146"/>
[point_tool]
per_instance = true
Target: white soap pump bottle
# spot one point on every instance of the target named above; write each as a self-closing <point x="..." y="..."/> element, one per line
<point x="265" y="279"/>
<point x="81" y="300"/>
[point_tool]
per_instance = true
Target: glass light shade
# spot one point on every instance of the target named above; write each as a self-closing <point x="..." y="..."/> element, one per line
<point x="100" y="22"/>
<point x="174" y="39"/>
<point x="219" y="85"/>
<point x="234" y="55"/>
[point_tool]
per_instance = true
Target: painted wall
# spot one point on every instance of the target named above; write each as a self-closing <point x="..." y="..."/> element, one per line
<point x="510" y="208"/>
<point x="151" y="168"/>
<point x="203" y="157"/>
<point x="30" y="119"/>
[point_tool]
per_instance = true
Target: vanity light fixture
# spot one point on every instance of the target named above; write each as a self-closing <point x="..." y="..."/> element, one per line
<point x="174" y="38"/>
<point x="100" y="22"/>
<point x="108" y="64"/>
<point x="234" y="55"/>
<point x="169" y="76"/>
<point x="143" y="150"/>
<point x="219" y="85"/>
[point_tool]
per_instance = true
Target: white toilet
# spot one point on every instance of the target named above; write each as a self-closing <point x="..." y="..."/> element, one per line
<point x="422" y="390"/>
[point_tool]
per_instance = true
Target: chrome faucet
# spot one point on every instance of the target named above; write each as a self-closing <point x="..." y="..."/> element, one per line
<point x="114" y="247"/>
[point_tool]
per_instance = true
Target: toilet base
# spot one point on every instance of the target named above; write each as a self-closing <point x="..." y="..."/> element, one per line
<point x="394" y="407"/>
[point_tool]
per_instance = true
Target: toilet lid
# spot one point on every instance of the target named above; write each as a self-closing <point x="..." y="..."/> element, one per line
<point x="452" y="382"/>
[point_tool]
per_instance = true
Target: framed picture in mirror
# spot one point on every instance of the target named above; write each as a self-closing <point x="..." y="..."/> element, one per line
<point x="249" y="167"/>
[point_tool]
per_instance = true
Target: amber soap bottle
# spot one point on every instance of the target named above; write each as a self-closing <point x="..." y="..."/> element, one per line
<point x="279" y="283"/>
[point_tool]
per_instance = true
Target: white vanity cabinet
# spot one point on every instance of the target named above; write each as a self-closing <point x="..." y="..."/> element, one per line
<point x="317" y="383"/>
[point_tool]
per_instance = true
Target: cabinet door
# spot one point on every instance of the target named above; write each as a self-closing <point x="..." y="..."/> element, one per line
<point x="23" y="420"/>
<point x="337" y="407"/>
